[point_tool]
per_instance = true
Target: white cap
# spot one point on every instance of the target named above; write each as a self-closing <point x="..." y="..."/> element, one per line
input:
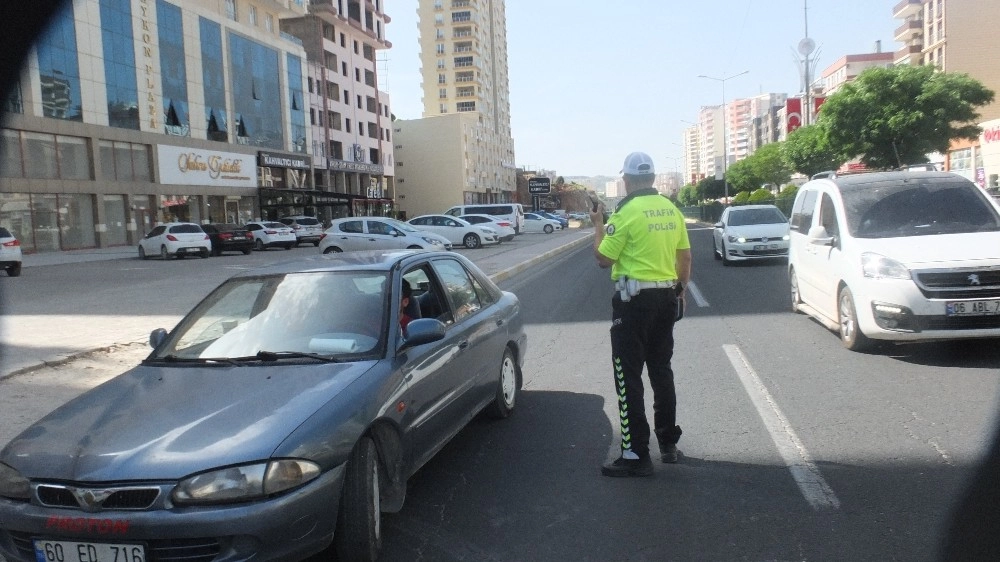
<point x="638" y="164"/>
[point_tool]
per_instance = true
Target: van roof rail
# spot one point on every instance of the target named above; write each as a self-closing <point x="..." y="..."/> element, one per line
<point x="827" y="174"/>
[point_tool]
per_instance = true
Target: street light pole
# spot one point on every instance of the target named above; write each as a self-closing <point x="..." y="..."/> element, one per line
<point x="725" y="140"/>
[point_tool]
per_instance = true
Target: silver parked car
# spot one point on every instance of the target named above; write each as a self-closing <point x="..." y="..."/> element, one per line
<point x="283" y="414"/>
<point x="353" y="234"/>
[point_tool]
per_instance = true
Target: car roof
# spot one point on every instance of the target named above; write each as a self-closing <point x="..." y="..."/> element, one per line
<point x="856" y="182"/>
<point x="371" y="260"/>
<point x="748" y="207"/>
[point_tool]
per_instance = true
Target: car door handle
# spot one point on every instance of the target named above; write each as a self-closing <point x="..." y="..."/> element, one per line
<point x="499" y="321"/>
<point x="464" y="344"/>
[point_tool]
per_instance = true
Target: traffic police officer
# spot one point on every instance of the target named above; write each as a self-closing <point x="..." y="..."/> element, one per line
<point x="645" y="243"/>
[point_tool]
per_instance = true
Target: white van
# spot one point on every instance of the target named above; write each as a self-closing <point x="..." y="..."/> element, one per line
<point x="513" y="212"/>
<point x="899" y="256"/>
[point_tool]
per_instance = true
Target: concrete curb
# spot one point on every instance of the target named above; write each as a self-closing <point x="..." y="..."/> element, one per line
<point x="512" y="271"/>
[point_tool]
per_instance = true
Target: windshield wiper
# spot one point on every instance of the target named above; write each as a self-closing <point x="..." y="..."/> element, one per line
<point x="175" y="359"/>
<point x="263" y="355"/>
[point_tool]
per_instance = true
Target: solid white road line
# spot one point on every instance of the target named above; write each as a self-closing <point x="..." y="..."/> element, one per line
<point x="804" y="471"/>
<point x="692" y="290"/>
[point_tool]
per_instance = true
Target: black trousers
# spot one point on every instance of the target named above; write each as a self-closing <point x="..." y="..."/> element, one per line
<point x="642" y="334"/>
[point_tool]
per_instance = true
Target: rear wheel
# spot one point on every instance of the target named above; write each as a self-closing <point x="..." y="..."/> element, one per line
<point x="163" y="252"/>
<point x="205" y="253"/>
<point x="359" y="524"/>
<point x="506" y="397"/>
<point x="259" y="245"/>
<point x="850" y="334"/>
<point x="471" y="241"/>
<point x="216" y="251"/>
<point x="332" y="250"/>
<point x="14" y="270"/>
<point x="246" y="251"/>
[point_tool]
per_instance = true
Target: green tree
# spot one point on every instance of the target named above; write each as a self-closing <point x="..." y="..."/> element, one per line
<point x="741" y="198"/>
<point x="891" y="117"/>
<point x="768" y="164"/>
<point x="711" y="188"/>
<point x="688" y="195"/>
<point x="807" y="150"/>
<point x="761" y="195"/>
<point x="743" y="176"/>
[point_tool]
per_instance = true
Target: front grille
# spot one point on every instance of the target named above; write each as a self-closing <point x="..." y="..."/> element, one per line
<point x="157" y="550"/>
<point x="775" y="252"/>
<point x="965" y="283"/>
<point x="125" y="498"/>
<point x="957" y="322"/>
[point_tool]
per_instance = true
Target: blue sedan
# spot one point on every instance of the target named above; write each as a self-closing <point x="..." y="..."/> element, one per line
<point x="278" y="419"/>
<point x="564" y="222"/>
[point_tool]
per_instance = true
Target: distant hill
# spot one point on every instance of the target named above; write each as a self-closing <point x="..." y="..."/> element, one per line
<point x="593" y="182"/>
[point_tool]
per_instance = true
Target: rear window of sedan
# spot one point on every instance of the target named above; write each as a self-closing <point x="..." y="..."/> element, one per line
<point x="186" y="229"/>
<point x="756" y="216"/>
<point x="4" y="233"/>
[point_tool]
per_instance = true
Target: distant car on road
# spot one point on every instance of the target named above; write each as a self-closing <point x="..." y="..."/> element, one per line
<point x="285" y="413"/>
<point x="176" y="239"/>
<point x="271" y="234"/>
<point x="505" y="228"/>
<point x="10" y="253"/>
<point x="750" y="232"/>
<point x="228" y="238"/>
<point x="538" y="223"/>
<point x="308" y="230"/>
<point x="352" y="234"/>
<point x="563" y="221"/>
<point x="456" y="230"/>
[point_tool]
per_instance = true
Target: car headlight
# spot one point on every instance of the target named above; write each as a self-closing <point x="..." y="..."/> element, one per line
<point x="876" y="266"/>
<point x="13" y="485"/>
<point x="432" y="241"/>
<point x="737" y="239"/>
<point x="786" y="237"/>
<point x="244" y="483"/>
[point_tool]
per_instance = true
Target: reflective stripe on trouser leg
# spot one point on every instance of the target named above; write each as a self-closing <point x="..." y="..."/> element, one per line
<point x="622" y="405"/>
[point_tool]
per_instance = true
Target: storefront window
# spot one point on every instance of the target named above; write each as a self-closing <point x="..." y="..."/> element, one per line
<point x="114" y="217"/>
<point x="76" y="215"/>
<point x="74" y="160"/>
<point x="15" y="216"/>
<point x="40" y="159"/>
<point x="10" y="154"/>
<point x="45" y="210"/>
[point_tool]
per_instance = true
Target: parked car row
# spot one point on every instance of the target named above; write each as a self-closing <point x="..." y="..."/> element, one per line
<point x="180" y="239"/>
<point x="10" y="253"/>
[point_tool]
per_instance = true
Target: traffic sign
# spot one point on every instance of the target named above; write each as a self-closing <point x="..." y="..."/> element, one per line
<point x="538" y="186"/>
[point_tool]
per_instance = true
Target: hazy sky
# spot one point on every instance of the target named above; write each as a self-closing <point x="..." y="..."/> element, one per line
<point x="591" y="81"/>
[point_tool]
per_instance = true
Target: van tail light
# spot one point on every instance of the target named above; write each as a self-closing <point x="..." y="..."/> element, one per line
<point x="171" y="237"/>
<point x="12" y="244"/>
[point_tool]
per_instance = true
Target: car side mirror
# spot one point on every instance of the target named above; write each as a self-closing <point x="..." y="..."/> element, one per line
<point x="720" y="225"/>
<point x="818" y="236"/>
<point x="156" y="337"/>
<point x="423" y="330"/>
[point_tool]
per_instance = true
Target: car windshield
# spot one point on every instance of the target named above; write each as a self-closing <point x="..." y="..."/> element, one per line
<point x="405" y="227"/>
<point x="744" y="217"/>
<point x="918" y="208"/>
<point x="325" y="313"/>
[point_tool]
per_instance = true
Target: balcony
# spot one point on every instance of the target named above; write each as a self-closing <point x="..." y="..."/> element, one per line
<point x="908" y="30"/>
<point x="907" y="8"/>
<point x="909" y="55"/>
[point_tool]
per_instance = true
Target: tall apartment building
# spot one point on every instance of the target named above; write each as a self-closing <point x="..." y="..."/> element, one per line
<point x="711" y="142"/>
<point x="349" y="116"/>
<point x="133" y="112"/>
<point x="463" y="53"/>
<point x="958" y="36"/>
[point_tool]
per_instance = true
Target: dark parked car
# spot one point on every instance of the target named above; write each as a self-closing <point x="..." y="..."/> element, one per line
<point x="228" y="238"/>
<point x="284" y="413"/>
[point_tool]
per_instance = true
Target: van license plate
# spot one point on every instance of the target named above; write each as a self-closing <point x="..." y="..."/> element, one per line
<point x="973" y="308"/>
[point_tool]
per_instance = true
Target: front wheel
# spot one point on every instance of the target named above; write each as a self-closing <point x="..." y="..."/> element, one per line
<point x="142" y="253"/>
<point x="506" y="397"/>
<point x="715" y="251"/>
<point x="850" y="334"/>
<point x="471" y="241"/>
<point x="725" y="256"/>
<point x="332" y="250"/>
<point x="793" y="281"/>
<point x="259" y="245"/>
<point x="548" y="229"/>
<point x="246" y="251"/>
<point x="359" y="526"/>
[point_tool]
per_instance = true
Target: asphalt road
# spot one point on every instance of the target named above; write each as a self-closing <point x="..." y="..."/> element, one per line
<point x="793" y="449"/>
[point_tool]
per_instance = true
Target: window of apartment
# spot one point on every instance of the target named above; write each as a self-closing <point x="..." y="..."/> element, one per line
<point x="347" y="125"/>
<point x="355" y="47"/>
<point x="463" y="61"/>
<point x="369" y="52"/>
<point x="253" y="15"/>
<point x="443" y="93"/>
<point x="372" y="130"/>
<point x="961" y="160"/>
<point x="332" y="91"/>
<point x="440" y="63"/>
<point x="460" y="32"/>
<point x="231" y="10"/>
<point x="438" y="19"/>
<point x="461" y="16"/>
<point x="337" y="150"/>
<point x="357" y="74"/>
<point x="440" y="48"/>
<point x="463" y="47"/>
<point x="361" y="127"/>
<point x="442" y="79"/>
<point x="466" y="106"/>
<point x="464" y="77"/>
<point x="443" y="108"/>
<point x="343" y="40"/>
<point x="309" y="81"/>
<point x="335" y="121"/>
<point x="343" y="68"/>
<point x="388" y="135"/>
<point x="347" y="96"/>
<point x="360" y="106"/>
<point x="312" y="116"/>
<point x="440" y="34"/>
<point x="371" y="104"/>
<point x="370" y="78"/>
<point x="320" y="118"/>
<point x="269" y="23"/>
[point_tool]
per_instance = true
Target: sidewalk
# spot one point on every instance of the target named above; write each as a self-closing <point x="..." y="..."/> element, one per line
<point x="79" y="335"/>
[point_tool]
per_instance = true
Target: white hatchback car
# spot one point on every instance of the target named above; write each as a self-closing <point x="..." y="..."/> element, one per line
<point x="456" y="230"/>
<point x="538" y="223"/>
<point x="902" y="256"/>
<point x="750" y="232"/>
<point x="353" y="234"/>
<point x="10" y="253"/>
<point x="271" y="234"/>
<point x="176" y="239"/>
<point x="505" y="228"/>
